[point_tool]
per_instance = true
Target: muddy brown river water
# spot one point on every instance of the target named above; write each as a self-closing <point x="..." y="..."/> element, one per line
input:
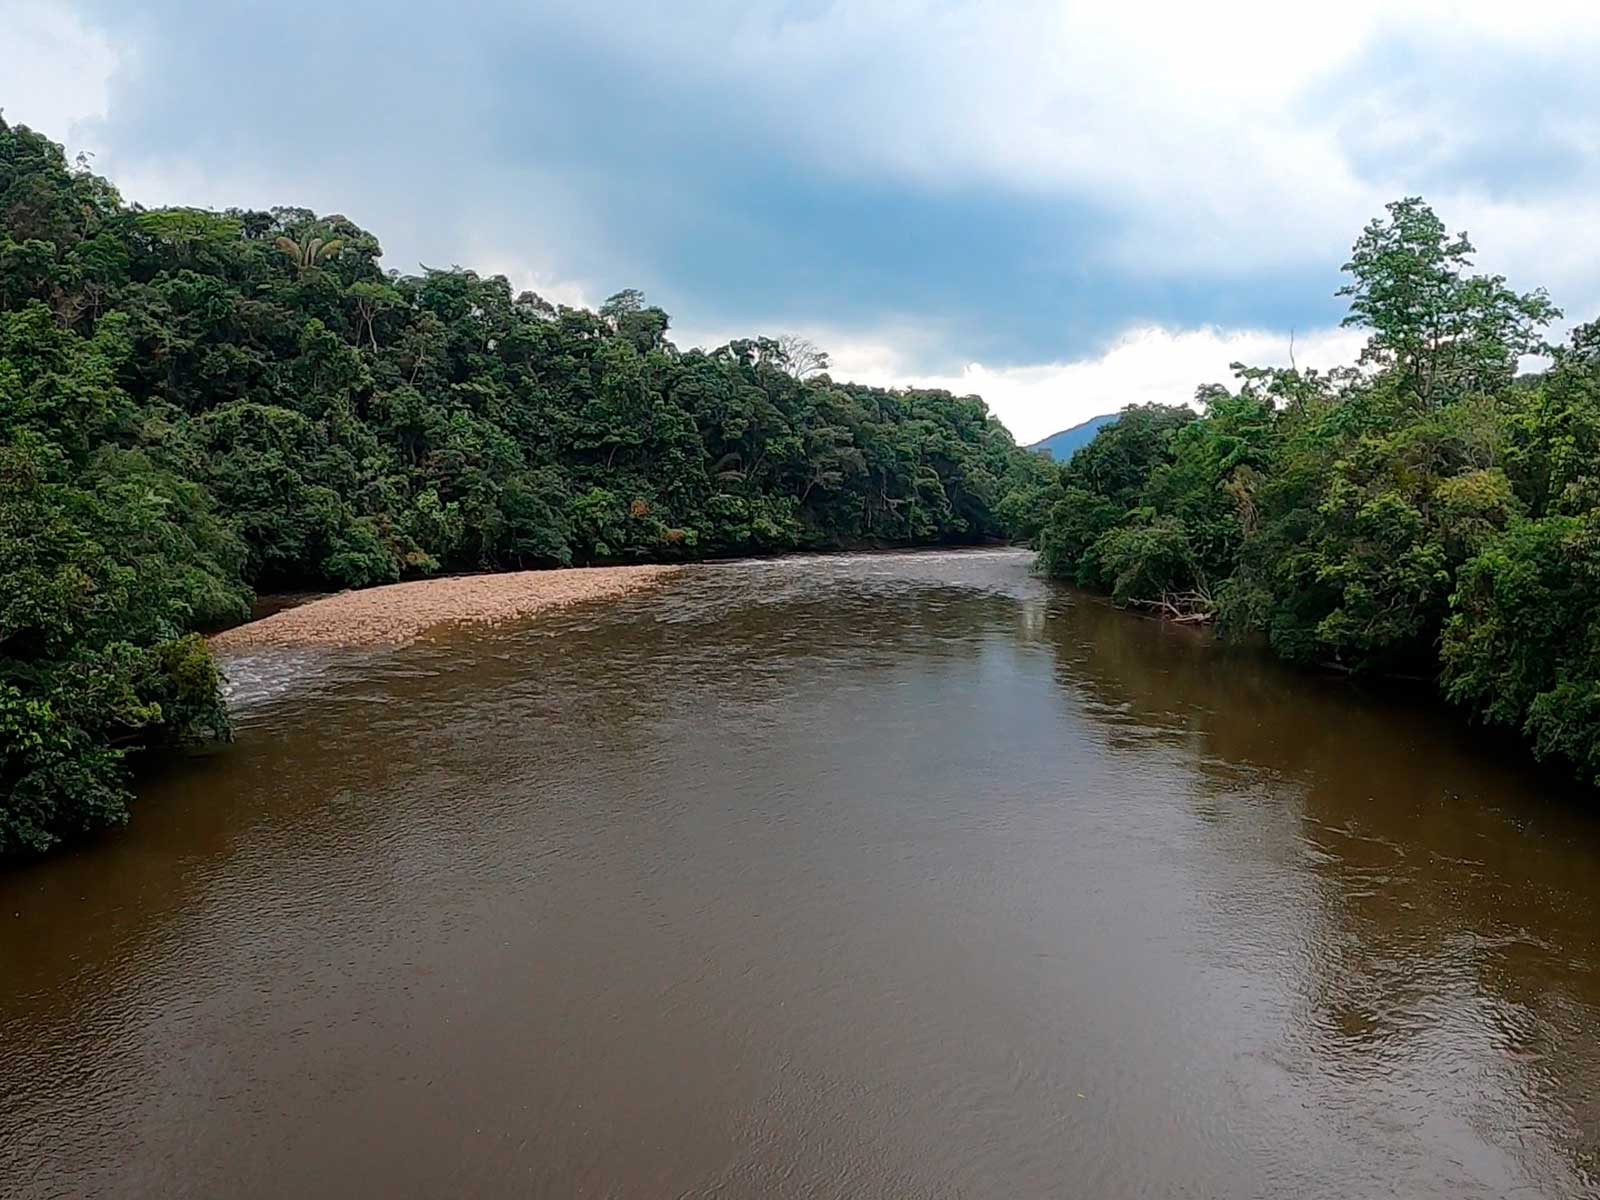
<point x="866" y="876"/>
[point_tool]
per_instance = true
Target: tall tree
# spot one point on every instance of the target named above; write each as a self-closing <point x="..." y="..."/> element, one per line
<point x="1442" y="332"/>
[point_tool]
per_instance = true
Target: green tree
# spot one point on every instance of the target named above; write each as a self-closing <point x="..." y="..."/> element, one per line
<point x="1441" y="332"/>
<point x="1424" y="512"/>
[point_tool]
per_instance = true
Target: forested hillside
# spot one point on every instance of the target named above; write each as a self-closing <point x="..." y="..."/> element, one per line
<point x="195" y="405"/>
<point x="1423" y="512"/>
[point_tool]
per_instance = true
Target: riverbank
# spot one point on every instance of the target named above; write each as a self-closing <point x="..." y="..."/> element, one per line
<point x="398" y="613"/>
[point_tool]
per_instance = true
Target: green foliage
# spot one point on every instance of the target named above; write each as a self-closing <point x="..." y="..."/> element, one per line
<point x="1440" y="332"/>
<point x="1522" y="645"/>
<point x="195" y="404"/>
<point x="1426" y="512"/>
<point x="1148" y="556"/>
<point x="104" y="572"/>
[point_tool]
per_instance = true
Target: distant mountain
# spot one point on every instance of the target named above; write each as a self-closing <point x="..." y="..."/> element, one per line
<point x="1060" y="446"/>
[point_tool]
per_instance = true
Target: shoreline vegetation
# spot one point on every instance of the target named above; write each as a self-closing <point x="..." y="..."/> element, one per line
<point x="197" y="407"/>
<point x="399" y="613"/>
<point x="1428" y="512"/>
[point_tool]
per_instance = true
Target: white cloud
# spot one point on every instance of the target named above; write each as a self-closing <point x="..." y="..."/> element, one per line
<point x="55" y="70"/>
<point x="1186" y="119"/>
<point x="1148" y="365"/>
<point x="1192" y="124"/>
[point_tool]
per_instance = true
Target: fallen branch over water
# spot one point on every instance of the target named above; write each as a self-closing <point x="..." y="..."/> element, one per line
<point x="402" y="612"/>
<point x="1186" y="608"/>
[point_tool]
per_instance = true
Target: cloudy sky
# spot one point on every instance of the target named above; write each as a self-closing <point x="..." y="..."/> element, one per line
<point x="1063" y="206"/>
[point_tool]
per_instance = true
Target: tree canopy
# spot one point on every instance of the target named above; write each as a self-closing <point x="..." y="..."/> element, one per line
<point x="198" y="405"/>
<point x="1424" y="512"/>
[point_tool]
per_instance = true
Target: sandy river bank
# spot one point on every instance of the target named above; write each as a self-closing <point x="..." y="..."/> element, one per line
<point x="402" y="612"/>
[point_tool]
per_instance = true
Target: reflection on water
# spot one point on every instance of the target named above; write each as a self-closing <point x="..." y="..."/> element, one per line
<point x="889" y="875"/>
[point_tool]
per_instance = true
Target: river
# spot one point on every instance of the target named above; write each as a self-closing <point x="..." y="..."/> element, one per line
<point x="870" y="876"/>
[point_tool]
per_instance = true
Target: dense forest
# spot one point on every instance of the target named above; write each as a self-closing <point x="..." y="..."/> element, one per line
<point x="197" y="405"/>
<point x="1424" y="512"/>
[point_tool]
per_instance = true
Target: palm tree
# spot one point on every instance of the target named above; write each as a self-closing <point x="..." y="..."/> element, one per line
<point x="308" y="254"/>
